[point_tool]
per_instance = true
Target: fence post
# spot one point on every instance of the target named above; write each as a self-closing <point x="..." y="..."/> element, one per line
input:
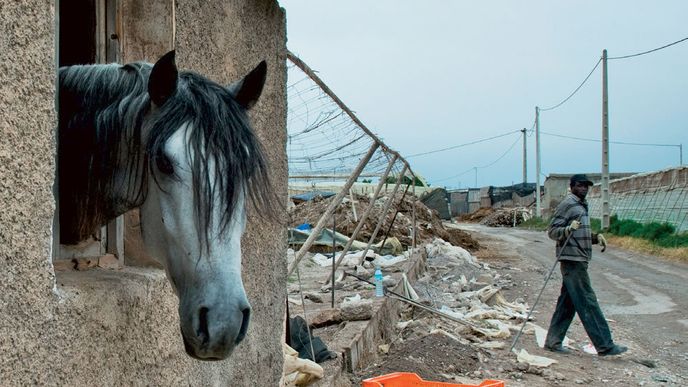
<point x="365" y="215"/>
<point x="332" y="207"/>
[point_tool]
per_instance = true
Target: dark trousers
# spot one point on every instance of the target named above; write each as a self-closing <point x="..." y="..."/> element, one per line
<point x="577" y="296"/>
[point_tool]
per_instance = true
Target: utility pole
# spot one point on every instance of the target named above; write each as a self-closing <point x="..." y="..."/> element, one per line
<point x="604" y="186"/>
<point x="476" y="176"/>
<point x="538" y="208"/>
<point x="680" y="154"/>
<point x="525" y="158"/>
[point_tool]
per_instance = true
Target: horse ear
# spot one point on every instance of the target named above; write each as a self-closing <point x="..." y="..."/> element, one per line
<point x="247" y="90"/>
<point x="162" y="82"/>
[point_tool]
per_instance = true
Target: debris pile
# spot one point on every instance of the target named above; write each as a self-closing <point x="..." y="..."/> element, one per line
<point x="476" y="216"/>
<point x="507" y="217"/>
<point x="457" y="305"/>
<point x="428" y="221"/>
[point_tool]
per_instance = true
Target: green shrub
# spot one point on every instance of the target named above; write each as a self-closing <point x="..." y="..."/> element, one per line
<point x="595" y="225"/>
<point x="673" y="240"/>
<point x="661" y="234"/>
<point x="625" y="227"/>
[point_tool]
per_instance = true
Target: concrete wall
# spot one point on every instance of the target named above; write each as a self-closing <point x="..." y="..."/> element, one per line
<point x="120" y="327"/>
<point x="660" y="196"/>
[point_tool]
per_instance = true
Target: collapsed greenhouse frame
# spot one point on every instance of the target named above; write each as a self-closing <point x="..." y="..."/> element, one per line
<point x="335" y="121"/>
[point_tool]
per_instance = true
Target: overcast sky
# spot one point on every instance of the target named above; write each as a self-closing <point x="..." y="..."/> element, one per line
<point x="431" y="74"/>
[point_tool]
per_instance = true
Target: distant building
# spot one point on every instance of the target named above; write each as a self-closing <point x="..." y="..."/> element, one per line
<point x="556" y="187"/>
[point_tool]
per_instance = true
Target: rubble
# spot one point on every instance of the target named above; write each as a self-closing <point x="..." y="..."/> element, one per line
<point x="507" y="217"/>
<point x="476" y="216"/>
<point x="429" y="224"/>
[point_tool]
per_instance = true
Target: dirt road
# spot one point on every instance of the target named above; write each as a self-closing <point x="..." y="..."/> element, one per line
<point x="645" y="299"/>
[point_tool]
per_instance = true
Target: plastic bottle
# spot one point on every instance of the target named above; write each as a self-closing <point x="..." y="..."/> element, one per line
<point x="379" y="291"/>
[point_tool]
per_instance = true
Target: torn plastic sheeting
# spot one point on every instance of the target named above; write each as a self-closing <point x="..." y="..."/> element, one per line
<point x="388" y="260"/>
<point x="498" y="299"/>
<point x="408" y="291"/>
<point x="298" y="237"/>
<point x="537" y="361"/>
<point x="541" y="334"/>
<point x="326" y="237"/>
<point x="308" y="196"/>
<point x="297" y="371"/>
<point x="350" y="260"/>
<point x="440" y="248"/>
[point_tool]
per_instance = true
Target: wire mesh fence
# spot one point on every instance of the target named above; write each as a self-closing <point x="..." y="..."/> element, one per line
<point x="325" y="141"/>
<point x="650" y="197"/>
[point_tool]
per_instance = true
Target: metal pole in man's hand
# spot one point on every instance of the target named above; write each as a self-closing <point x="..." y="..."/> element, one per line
<point x="566" y="242"/>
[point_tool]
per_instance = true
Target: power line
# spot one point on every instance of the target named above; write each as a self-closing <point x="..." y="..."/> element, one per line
<point x="455" y="176"/>
<point x="611" y="142"/>
<point x="503" y="154"/>
<point x="648" y="51"/>
<point x="575" y="91"/>
<point x="462" y="145"/>
<point x="484" y="166"/>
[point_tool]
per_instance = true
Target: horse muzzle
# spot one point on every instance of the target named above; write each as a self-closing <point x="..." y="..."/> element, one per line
<point x="211" y="332"/>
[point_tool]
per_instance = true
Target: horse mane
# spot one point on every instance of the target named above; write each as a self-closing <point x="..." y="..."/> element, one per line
<point x="106" y="112"/>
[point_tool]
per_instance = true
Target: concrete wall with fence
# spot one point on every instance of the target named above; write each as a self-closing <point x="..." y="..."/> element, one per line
<point x="660" y="196"/>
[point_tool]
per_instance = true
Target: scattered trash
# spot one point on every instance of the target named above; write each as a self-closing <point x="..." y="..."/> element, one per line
<point x="297" y="371"/>
<point x="302" y="341"/>
<point x="541" y="335"/>
<point x="400" y="379"/>
<point x="589" y="348"/>
<point x="304" y="227"/>
<point x="439" y="247"/>
<point x="537" y="361"/>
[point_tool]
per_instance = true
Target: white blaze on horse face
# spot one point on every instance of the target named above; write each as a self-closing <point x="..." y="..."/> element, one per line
<point x="213" y="307"/>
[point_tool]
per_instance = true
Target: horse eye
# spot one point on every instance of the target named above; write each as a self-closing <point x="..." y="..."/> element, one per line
<point x="164" y="164"/>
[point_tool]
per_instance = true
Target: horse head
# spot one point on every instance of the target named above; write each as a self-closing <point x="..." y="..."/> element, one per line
<point x="202" y="157"/>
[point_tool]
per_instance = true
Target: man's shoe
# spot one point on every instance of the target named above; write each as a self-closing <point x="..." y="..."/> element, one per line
<point x="558" y="349"/>
<point x="615" y="350"/>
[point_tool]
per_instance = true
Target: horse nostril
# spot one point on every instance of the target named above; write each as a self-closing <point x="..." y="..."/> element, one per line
<point x="244" y="324"/>
<point x="202" y="331"/>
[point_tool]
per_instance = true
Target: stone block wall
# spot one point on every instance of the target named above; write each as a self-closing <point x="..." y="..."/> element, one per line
<point x="120" y="327"/>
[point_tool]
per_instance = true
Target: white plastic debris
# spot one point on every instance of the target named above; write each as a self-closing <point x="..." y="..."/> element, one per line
<point x="322" y="260"/>
<point x="541" y="335"/>
<point x="299" y="372"/>
<point x="440" y="248"/>
<point x="388" y="260"/>
<point x="537" y="361"/>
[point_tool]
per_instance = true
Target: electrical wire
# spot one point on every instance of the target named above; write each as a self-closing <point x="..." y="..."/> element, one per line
<point x="648" y="51"/>
<point x="463" y="145"/>
<point x="503" y="154"/>
<point x="611" y="142"/>
<point x="575" y="91"/>
<point x="484" y="166"/>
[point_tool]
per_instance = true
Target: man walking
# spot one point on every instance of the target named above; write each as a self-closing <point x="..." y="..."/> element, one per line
<point x="571" y="221"/>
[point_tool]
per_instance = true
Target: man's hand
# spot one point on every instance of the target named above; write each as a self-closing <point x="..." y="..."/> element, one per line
<point x="572" y="227"/>
<point x="602" y="241"/>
